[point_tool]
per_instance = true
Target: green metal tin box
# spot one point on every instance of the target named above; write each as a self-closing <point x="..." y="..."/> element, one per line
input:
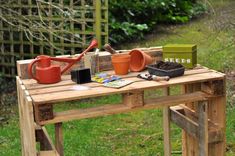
<point x="185" y="54"/>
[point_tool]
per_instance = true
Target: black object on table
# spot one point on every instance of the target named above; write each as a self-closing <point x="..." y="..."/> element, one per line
<point x="81" y="75"/>
<point x="166" y="69"/>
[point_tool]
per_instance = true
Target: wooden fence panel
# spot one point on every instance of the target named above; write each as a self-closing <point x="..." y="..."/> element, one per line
<point x="65" y="27"/>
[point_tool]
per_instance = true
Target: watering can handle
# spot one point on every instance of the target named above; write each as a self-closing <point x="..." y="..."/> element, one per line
<point x="30" y="69"/>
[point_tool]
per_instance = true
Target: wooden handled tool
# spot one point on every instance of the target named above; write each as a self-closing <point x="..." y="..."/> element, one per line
<point x="108" y="48"/>
<point x="160" y="78"/>
<point x="153" y="77"/>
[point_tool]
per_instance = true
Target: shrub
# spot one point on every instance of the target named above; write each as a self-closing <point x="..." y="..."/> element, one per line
<point x="131" y="19"/>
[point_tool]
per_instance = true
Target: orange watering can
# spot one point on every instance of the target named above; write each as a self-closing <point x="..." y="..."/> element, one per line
<point x="46" y="73"/>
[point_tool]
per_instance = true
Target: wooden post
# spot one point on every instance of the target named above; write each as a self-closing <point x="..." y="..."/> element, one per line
<point x="134" y="99"/>
<point x="27" y="122"/>
<point x="166" y="126"/>
<point x="18" y="84"/>
<point x="98" y="22"/>
<point x="216" y="113"/>
<point x="189" y="143"/>
<point x="106" y="28"/>
<point x="59" y="138"/>
<point x="203" y="128"/>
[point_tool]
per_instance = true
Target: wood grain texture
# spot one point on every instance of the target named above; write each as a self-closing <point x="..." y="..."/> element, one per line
<point x="166" y="126"/>
<point x="59" y="138"/>
<point x="27" y="121"/>
<point x="136" y="86"/>
<point x="122" y="108"/>
<point x="193" y="81"/>
<point x="203" y="128"/>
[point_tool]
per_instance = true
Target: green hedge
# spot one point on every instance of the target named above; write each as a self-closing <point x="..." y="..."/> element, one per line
<point x="131" y="19"/>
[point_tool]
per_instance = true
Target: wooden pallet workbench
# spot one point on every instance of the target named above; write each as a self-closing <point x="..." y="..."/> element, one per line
<point x="199" y="110"/>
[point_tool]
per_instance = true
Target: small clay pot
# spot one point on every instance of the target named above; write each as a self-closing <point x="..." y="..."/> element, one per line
<point x="139" y="60"/>
<point x="121" y="63"/>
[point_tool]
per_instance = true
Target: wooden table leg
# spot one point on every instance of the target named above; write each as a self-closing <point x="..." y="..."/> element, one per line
<point x="216" y="114"/>
<point x="59" y="138"/>
<point x="203" y="128"/>
<point x="166" y="126"/>
<point x="189" y="143"/>
<point x="19" y="94"/>
<point x="27" y="122"/>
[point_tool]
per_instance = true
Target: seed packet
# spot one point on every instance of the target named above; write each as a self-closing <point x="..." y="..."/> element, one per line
<point x="104" y="78"/>
<point x="118" y="83"/>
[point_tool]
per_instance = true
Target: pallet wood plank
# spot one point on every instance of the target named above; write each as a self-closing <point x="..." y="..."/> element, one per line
<point x="59" y="138"/>
<point x="18" y="86"/>
<point x="190" y="126"/>
<point x="166" y="126"/>
<point x="135" y="99"/>
<point x="31" y="84"/>
<point x="215" y="132"/>
<point x="216" y="109"/>
<point x="121" y="108"/>
<point x="189" y="143"/>
<point x="136" y="86"/>
<point x="29" y="128"/>
<point x="192" y="80"/>
<point x="203" y="128"/>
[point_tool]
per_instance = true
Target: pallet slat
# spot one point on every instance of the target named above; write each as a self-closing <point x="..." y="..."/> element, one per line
<point x="121" y="108"/>
<point x="190" y="123"/>
<point x="136" y="86"/>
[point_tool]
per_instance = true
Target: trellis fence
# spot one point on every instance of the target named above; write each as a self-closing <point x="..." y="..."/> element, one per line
<point x="53" y="27"/>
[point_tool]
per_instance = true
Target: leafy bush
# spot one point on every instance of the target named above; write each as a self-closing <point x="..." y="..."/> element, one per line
<point x="130" y="19"/>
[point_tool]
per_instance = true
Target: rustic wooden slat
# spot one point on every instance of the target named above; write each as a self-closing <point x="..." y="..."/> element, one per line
<point x="59" y="138"/>
<point x="203" y="128"/>
<point x="18" y="84"/>
<point x="27" y="121"/>
<point x="189" y="143"/>
<point x="190" y="123"/>
<point x="121" y="108"/>
<point x="32" y="84"/>
<point x="190" y="126"/>
<point x="135" y="99"/>
<point x="166" y="126"/>
<point x="215" y="132"/>
<point x="217" y="114"/>
<point x="101" y="91"/>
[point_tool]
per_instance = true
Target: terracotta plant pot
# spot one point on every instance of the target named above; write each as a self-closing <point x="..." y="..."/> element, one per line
<point x="121" y="63"/>
<point x="139" y="60"/>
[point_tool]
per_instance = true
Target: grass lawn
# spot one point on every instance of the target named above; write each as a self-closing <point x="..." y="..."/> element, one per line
<point x="140" y="133"/>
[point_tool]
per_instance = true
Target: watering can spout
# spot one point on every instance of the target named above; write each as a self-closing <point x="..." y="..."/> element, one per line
<point x="92" y="45"/>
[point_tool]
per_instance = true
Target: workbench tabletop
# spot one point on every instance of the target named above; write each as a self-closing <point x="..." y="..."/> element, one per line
<point x="63" y="91"/>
